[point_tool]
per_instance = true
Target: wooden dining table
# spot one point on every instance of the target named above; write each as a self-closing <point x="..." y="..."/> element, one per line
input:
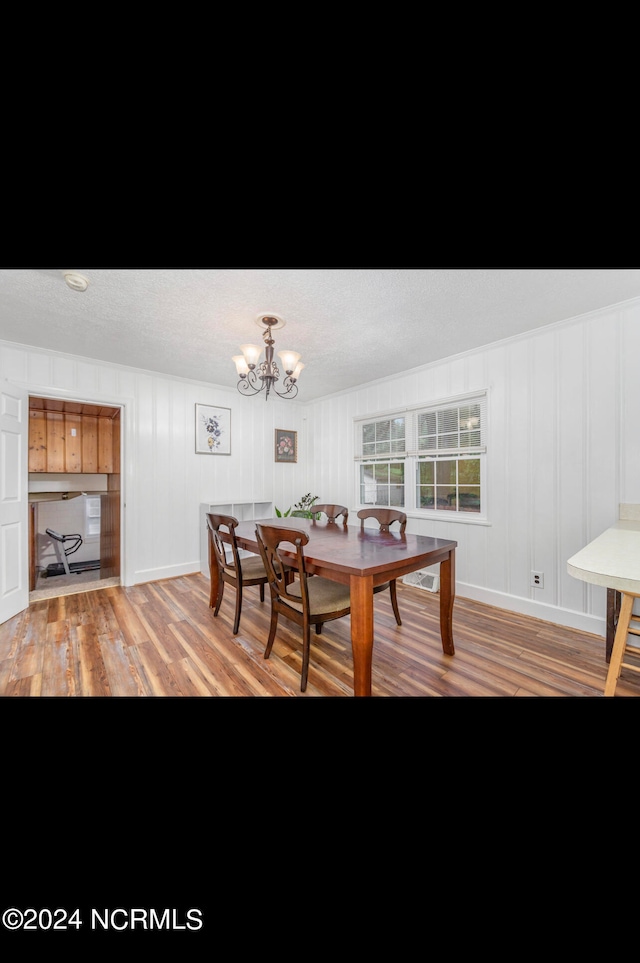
<point x="363" y="559"/>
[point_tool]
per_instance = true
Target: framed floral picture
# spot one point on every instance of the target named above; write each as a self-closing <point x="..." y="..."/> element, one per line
<point x="286" y="445"/>
<point x="213" y="430"/>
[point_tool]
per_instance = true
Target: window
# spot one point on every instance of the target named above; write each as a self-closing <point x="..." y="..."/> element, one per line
<point x="382" y="472"/>
<point x="441" y="446"/>
<point x="382" y="483"/>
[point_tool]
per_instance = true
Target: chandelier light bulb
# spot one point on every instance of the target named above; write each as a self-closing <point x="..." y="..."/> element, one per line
<point x="241" y="365"/>
<point x="251" y="353"/>
<point x="289" y="359"/>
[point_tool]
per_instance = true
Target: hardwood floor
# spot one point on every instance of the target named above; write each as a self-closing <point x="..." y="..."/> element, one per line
<point x="161" y="639"/>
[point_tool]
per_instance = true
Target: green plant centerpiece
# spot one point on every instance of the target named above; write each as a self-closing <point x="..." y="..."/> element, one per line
<point x="301" y="509"/>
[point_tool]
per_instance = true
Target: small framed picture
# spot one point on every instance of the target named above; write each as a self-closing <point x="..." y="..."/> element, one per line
<point x="286" y="445"/>
<point x="213" y="430"/>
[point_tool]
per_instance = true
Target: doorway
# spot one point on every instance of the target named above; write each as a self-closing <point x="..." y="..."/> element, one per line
<point x="74" y="466"/>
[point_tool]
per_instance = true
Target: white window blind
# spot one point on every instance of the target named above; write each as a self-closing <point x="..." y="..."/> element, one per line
<point x="447" y="428"/>
<point x="450" y="429"/>
<point x="382" y="437"/>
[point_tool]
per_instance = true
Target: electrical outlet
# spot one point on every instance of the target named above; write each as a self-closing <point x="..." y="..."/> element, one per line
<point x="537" y="579"/>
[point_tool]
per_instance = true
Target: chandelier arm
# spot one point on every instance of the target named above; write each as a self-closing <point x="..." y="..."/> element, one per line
<point x="248" y="384"/>
<point x="290" y="386"/>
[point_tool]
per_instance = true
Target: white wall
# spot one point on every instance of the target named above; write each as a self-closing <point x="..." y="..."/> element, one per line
<point x="564" y="410"/>
<point x="164" y="479"/>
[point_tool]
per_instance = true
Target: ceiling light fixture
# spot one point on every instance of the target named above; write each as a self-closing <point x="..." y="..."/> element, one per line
<point x="77" y="282"/>
<point x="252" y="373"/>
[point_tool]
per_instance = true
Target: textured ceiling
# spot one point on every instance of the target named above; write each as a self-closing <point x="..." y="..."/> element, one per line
<point x="351" y="326"/>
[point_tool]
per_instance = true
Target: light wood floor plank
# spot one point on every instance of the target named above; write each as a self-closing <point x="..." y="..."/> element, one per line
<point x="93" y="677"/>
<point x="161" y="639"/>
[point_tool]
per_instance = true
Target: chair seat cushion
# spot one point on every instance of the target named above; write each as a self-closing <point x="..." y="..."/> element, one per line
<point x="324" y="595"/>
<point x="252" y="567"/>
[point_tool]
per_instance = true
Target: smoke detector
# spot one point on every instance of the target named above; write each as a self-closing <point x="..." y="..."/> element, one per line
<point x="77" y="282"/>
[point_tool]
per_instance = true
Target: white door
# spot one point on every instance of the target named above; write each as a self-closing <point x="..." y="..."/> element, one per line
<point x="14" y="503"/>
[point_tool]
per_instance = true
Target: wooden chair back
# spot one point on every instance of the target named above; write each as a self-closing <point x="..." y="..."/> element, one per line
<point x="217" y="554"/>
<point x="333" y="511"/>
<point x="279" y="568"/>
<point x="225" y="567"/>
<point x="385" y="517"/>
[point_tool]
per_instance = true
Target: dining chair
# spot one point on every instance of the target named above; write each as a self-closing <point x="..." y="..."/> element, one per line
<point x="333" y="511"/>
<point x="306" y="601"/>
<point x="385" y="518"/>
<point x="231" y="569"/>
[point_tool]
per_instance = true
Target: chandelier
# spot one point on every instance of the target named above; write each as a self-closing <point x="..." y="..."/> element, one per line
<point x="256" y="377"/>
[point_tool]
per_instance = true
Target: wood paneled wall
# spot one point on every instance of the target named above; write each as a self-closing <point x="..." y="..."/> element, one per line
<point x="563" y="452"/>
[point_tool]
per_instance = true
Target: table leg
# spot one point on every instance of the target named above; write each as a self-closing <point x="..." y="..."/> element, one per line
<point x="447" y="595"/>
<point x="362" y="632"/>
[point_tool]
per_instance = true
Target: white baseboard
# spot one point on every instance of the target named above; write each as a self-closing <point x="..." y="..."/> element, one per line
<point x="167" y="571"/>
<point x="538" y="610"/>
<point x="512" y="603"/>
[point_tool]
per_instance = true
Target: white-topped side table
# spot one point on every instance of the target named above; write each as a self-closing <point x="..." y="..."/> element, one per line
<point x="612" y="560"/>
